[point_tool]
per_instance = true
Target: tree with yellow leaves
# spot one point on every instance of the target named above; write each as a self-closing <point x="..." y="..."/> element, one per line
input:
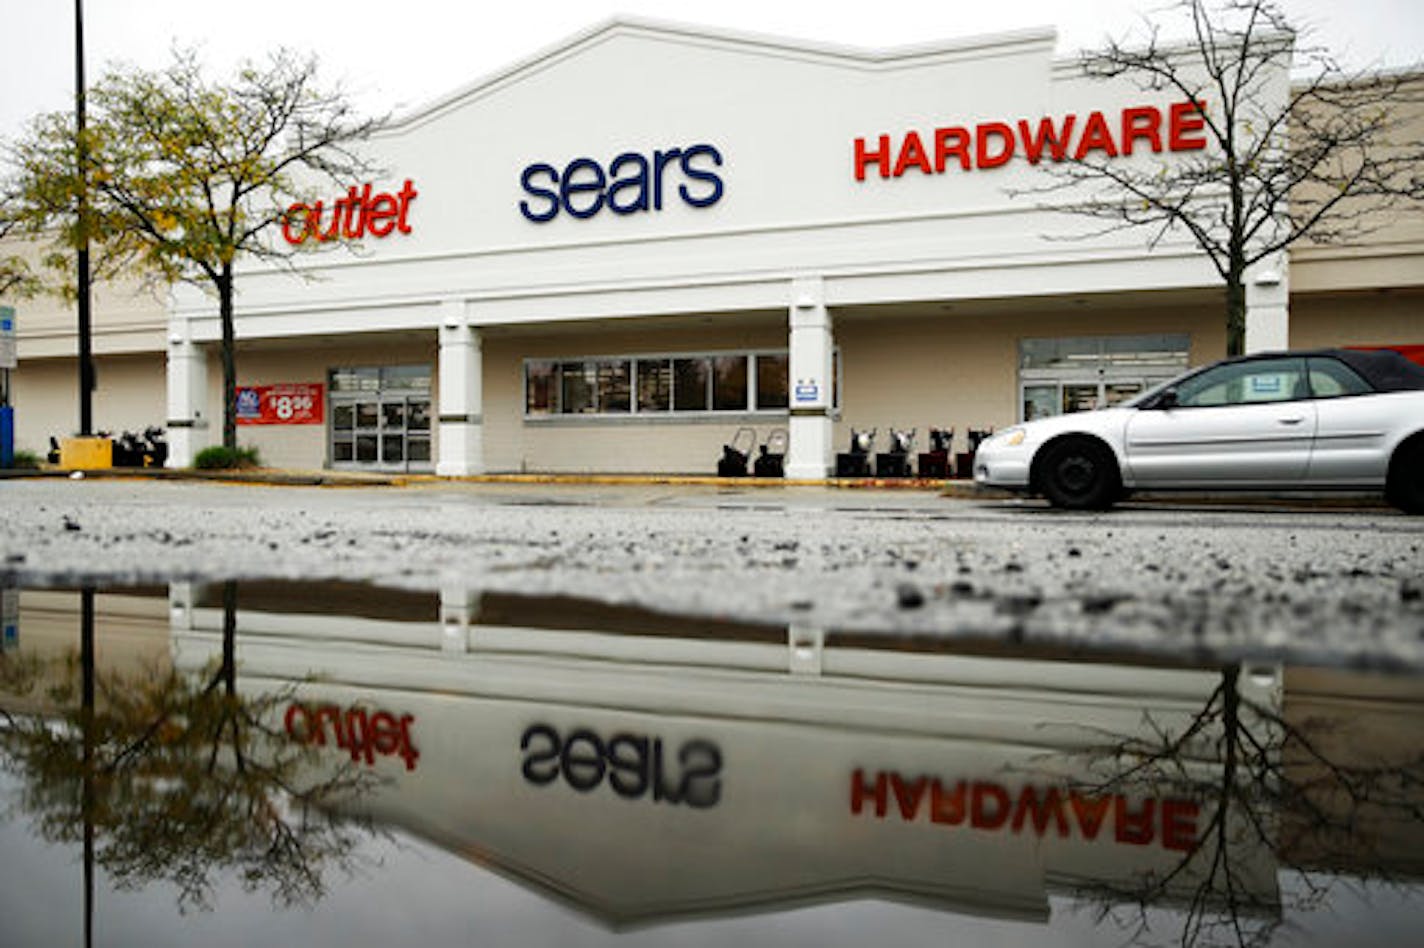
<point x="185" y="175"/>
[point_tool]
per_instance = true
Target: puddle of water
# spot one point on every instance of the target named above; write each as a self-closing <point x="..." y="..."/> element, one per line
<point x="551" y="770"/>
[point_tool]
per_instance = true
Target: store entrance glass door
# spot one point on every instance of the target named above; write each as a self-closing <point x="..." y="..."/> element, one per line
<point x="1062" y="375"/>
<point x="380" y="418"/>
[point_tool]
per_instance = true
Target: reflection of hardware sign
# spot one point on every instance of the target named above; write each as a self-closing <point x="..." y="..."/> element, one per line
<point x="988" y="805"/>
<point x="632" y="183"/>
<point x="634" y="765"/>
<point x="360" y="733"/>
<point x="807" y="390"/>
<point x="991" y="144"/>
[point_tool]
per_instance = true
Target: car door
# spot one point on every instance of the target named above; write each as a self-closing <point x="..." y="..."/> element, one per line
<point x="1352" y="427"/>
<point x="1247" y="423"/>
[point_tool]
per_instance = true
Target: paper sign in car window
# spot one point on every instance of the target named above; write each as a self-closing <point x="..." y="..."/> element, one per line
<point x="1267" y="387"/>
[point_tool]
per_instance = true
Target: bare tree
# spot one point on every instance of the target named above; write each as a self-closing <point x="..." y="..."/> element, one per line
<point x="1298" y="150"/>
<point x="1277" y="790"/>
<point x="187" y="175"/>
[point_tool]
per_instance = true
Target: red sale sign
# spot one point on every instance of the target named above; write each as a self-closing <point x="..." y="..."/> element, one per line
<point x="295" y="404"/>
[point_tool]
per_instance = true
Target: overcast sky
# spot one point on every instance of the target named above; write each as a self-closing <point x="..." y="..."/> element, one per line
<point x="400" y="53"/>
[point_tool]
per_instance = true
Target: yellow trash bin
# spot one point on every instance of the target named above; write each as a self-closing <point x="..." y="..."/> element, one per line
<point x="86" y="454"/>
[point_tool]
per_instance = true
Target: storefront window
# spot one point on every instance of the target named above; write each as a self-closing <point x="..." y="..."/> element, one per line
<point x="690" y="384"/>
<point x="729" y="386"/>
<point x="360" y="379"/>
<point x="615" y="386"/>
<point x="672" y="384"/>
<point x="406" y="376"/>
<point x="1040" y="401"/>
<point x="541" y="388"/>
<point x="1081" y="373"/>
<point x="654" y="385"/>
<point x="772" y="373"/>
<point x="578" y="388"/>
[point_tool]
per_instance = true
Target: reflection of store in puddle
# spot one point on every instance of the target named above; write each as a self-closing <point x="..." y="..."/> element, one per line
<point x="644" y="767"/>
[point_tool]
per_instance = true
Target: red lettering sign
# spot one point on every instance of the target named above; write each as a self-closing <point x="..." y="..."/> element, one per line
<point x="351" y="217"/>
<point x="362" y="734"/>
<point x="1179" y="127"/>
<point x="990" y="806"/>
<point x="300" y="403"/>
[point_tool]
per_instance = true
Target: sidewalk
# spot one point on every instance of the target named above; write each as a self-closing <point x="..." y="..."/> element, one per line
<point x="328" y="478"/>
<point x="955" y="488"/>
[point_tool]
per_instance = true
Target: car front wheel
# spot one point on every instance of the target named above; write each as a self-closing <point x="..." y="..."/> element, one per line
<point x="1078" y="474"/>
<point x="1405" y="488"/>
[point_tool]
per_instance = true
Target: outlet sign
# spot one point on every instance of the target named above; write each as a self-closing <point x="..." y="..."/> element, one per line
<point x="359" y="213"/>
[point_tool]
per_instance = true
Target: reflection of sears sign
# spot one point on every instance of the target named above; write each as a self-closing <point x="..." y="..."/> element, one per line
<point x="631" y="184"/>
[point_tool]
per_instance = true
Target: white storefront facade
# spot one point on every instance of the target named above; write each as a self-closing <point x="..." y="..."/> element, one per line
<point x="590" y="261"/>
<point x="612" y="256"/>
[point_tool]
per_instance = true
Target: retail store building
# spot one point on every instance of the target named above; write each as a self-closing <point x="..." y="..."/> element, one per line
<point x="614" y="254"/>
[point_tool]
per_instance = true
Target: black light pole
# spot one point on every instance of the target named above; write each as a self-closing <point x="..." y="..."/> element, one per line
<point x="86" y="360"/>
<point x="86" y="718"/>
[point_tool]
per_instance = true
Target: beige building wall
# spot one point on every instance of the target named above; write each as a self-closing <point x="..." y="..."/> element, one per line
<point x="1370" y="318"/>
<point x="960" y="369"/>
<point x="897" y="369"/>
<point x="126" y="315"/>
<point x="131" y="395"/>
<point x="304" y="447"/>
<point x="128" y="325"/>
<point x="132" y="639"/>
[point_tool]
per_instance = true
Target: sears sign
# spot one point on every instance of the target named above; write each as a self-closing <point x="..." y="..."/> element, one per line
<point x="631" y="183"/>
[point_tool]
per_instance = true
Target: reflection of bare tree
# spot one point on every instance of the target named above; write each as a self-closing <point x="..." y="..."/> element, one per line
<point x="1277" y="792"/>
<point x="177" y="777"/>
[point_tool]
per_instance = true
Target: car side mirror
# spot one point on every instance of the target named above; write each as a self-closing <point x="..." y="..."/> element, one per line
<point x="1168" y="399"/>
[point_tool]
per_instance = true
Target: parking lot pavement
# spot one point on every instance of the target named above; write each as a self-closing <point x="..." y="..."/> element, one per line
<point x="1296" y="581"/>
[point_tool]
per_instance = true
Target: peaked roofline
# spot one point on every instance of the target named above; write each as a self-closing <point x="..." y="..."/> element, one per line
<point x="622" y="24"/>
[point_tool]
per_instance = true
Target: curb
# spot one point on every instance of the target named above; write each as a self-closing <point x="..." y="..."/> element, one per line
<point x="954" y="489"/>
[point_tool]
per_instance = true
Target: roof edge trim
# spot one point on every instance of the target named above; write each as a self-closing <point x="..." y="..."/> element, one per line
<point x="637" y="25"/>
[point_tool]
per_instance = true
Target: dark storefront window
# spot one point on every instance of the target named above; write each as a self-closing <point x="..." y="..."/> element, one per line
<point x="729" y="388"/>
<point x="541" y="388"/>
<point x="652" y="385"/>
<point x="772" y="372"/>
<point x="690" y="384"/>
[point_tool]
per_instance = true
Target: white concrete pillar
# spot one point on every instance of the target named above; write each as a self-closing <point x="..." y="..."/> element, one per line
<point x="181" y="597"/>
<point x="458" y="608"/>
<point x="807" y="644"/>
<point x="812" y="344"/>
<point x="460" y="407"/>
<point x="187" y="423"/>
<point x="1268" y="306"/>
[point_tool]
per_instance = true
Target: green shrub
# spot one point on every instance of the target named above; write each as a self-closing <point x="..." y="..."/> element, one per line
<point x="25" y="461"/>
<point x="219" y="458"/>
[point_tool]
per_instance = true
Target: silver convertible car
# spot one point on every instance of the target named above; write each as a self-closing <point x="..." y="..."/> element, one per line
<point x="1323" y="419"/>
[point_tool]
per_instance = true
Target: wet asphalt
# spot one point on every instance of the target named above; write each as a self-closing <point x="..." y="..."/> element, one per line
<point x="1313" y="581"/>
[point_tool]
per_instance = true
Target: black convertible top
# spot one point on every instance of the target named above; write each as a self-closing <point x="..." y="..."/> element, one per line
<point x="1385" y="369"/>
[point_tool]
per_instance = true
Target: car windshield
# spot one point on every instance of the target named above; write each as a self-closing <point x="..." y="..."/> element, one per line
<point x="1138" y="400"/>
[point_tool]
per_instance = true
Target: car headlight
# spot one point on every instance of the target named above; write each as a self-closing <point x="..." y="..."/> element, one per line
<point x="1012" y="437"/>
